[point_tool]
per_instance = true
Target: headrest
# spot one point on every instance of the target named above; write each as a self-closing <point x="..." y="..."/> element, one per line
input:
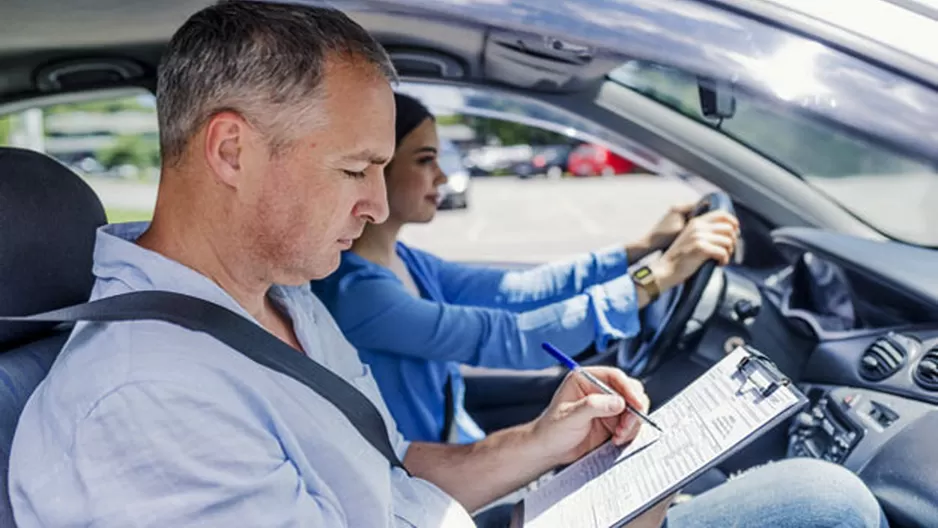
<point x="48" y="218"/>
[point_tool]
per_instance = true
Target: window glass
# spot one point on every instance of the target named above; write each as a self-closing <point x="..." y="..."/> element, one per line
<point x="112" y="142"/>
<point x="533" y="191"/>
<point x="891" y="191"/>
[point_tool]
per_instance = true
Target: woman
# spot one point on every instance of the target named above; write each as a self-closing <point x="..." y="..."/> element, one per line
<point x="415" y="318"/>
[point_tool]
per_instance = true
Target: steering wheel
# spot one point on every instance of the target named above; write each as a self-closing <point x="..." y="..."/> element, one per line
<point x="651" y="349"/>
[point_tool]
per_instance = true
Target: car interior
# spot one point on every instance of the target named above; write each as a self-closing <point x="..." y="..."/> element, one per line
<point x="846" y="312"/>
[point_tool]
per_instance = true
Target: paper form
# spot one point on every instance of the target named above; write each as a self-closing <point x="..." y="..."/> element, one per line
<point x="707" y="419"/>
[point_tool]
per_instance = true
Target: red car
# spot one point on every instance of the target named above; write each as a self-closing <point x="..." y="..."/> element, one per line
<point x="592" y="160"/>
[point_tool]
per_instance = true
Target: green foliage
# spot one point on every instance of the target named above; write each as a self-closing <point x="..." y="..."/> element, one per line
<point x="117" y="215"/>
<point x="104" y="106"/>
<point x="446" y="120"/>
<point x="130" y="150"/>
<point x="6" y="129"/>
<point x="510" y="133"/>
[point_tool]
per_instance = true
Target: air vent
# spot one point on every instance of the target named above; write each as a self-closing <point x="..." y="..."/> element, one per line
<point x="926" y="374"/>
<point x="886" y="356"/>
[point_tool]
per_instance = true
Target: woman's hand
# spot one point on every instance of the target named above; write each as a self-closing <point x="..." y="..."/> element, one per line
<point x="712" y="236"/>
<point x="669" y="227"/>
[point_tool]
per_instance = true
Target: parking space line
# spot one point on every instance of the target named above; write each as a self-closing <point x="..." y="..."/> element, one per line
<point x="474" y="232"/>
<point x="588" y="225"/>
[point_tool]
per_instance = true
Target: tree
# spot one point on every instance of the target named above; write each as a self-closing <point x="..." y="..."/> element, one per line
<point x="6" y="129"/>
<point x="511" y="133"/>
<point x="130" y="150"/>
<point x="448" y="119"/>
<point x="103" y="106"/>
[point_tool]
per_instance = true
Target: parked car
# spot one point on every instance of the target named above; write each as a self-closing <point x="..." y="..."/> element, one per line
<point x="596" y="160"/>
<point x="454" y="194"/>
<point x="490" y="159"/>
<point x="550" y="161"/>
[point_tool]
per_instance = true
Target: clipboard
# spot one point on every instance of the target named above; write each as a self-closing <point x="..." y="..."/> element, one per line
<point x="747" y="381"/>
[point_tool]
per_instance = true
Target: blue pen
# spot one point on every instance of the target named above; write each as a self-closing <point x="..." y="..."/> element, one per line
<point x="568" y="362"/>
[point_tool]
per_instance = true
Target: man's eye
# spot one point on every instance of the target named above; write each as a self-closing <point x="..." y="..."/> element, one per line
<point x="354" y="174"/>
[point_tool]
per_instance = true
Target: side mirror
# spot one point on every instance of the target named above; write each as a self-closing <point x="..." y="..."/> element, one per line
<point x="716" y="98"/>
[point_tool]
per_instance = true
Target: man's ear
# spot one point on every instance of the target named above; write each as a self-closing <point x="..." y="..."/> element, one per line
<point x="226" y="136"/>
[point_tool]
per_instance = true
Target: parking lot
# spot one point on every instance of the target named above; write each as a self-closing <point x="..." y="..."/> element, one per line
<point x="514" y="220"/>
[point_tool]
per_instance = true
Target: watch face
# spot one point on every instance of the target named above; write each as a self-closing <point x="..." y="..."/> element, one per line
<point x="642" y="273"/>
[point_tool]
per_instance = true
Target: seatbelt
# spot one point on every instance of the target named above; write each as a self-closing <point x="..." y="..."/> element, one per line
<point x="240" y="334"/>
<point x="450" y="434"/>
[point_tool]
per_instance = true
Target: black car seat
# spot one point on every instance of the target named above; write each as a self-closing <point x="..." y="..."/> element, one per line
<point x="48" y="218"/>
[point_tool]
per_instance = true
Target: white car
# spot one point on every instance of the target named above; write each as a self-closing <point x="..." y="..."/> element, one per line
<point x="454" y="194"/>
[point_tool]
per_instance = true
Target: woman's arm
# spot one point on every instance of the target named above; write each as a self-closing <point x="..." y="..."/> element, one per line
<point x="521" y="290"/>
<point x="377" y="313"/>
<point x="529" y="289"/>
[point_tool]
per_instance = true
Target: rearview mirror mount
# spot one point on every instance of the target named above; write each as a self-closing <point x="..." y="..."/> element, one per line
<point x="716" y="98"/>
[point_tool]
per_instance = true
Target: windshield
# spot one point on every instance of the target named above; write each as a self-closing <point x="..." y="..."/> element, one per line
<point x="892" y="192"/>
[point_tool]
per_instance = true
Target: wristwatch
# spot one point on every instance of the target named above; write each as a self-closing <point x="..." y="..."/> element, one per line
<point x="646" y="278"/>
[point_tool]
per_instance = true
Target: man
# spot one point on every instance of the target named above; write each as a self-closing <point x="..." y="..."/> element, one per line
<point x="275" y="124"/>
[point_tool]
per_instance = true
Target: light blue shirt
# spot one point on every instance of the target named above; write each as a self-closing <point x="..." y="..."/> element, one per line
<point x="472" y="315"/>
<point x="147" y="424"/>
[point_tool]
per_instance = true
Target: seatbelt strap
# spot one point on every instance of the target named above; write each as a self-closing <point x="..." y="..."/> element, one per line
<point x="450" y="434"/>
<point x="240" y="334"/>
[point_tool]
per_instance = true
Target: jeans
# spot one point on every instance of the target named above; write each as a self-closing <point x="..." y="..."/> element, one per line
<point x="798" y="492"/>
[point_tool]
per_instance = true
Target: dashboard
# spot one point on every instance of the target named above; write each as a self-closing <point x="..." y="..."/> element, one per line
<point x="855" y="323"/>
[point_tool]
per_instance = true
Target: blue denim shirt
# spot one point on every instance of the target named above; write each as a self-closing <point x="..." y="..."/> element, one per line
<point x="471" y="315"/>
<point x="147" y="424"/>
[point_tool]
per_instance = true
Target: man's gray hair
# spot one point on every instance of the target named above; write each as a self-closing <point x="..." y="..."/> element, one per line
<point x="263" y="60"/>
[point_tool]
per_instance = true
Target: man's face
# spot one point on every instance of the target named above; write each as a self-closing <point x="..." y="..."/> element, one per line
<point x="315" y="197"/>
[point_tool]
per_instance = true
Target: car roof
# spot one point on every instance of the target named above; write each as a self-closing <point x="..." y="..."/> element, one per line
<point x="62" y="24"/>
<point x="41" y="38"/>
<point x="908" y="26"/>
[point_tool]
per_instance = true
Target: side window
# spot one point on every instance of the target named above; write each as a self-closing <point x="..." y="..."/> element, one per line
<point x="112" y="142"/>
<point x="528" y="183"/>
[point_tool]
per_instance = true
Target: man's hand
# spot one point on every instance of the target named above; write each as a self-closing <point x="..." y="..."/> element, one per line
<point x="712" y="236"/>
<point x="580" y="417"/>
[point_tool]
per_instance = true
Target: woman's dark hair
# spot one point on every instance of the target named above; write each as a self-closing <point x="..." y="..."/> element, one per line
<point x="410" y="113"/>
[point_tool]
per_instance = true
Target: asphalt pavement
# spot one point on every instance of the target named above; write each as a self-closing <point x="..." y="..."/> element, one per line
<point x="513" y="220"/>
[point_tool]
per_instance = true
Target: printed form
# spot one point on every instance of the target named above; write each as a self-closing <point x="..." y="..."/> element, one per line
<point x="707" y="419"/>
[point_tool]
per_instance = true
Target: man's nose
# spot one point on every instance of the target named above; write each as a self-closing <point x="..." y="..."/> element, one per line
<point x="374" y="204"/>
